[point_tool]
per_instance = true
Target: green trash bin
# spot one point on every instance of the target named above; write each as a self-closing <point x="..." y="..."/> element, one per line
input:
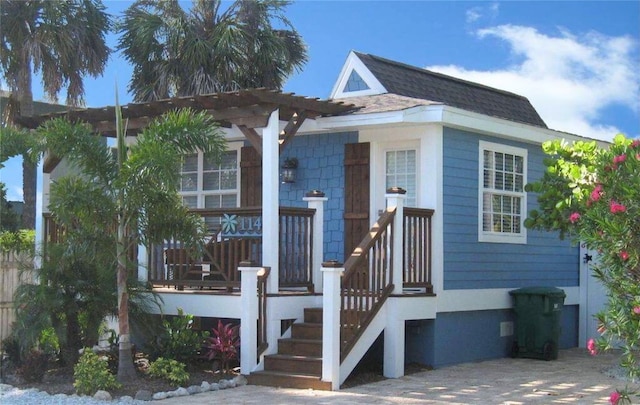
<point x="538" y="311"/>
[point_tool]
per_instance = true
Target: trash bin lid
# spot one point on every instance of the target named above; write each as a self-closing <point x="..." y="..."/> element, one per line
<point x="546" y="291"/>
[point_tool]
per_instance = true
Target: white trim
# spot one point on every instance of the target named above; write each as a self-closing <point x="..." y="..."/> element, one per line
<point x="492" y="236"/>
<point x="489" y="299"/>
<point x="354" y="63"/>
<point x="450" y="117"/>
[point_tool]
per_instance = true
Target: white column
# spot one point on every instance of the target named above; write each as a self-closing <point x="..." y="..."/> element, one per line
<point x="393" y="362"/>
<point x="332" y="273"/>
<point x="395" y="198"/>
<point x="143" y="264"/>
<point x="394" y="332"/>
<point x="249" y="316"/>
<point x="315" y="199"/>
<point x="270" y="200"/>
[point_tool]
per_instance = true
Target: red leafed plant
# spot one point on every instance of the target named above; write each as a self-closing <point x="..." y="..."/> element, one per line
<point x="224" y="344"/>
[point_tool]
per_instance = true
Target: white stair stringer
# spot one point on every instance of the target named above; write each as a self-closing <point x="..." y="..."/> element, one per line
<point x="375" y="327"/>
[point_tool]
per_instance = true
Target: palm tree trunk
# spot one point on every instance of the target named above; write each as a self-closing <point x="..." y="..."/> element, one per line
<point x="29" y="186"/>
<point x="29" y="169"/>
<point x="126" y="371"/>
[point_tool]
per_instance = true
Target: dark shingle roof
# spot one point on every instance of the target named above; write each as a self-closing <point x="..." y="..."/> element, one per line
<point x="411" y="81"/>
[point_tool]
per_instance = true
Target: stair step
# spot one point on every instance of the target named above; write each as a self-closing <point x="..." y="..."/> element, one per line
<point x="300" y="347"/>
<point x="288" y="380"/>
<point x="306" y="331"/>
<point x="293" y="364"/>
<point x="313" y="315"/>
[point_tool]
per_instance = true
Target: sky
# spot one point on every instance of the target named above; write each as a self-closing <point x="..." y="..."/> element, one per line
<point x="578" y="62"/>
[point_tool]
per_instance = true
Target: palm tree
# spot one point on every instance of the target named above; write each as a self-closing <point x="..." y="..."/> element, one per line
<point x="64" y="41"/>
<point x="208" y="49"/>
<point x="130" y="195"/>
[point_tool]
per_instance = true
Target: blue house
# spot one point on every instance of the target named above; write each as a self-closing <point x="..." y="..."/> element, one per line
<point x="391" y="212"/>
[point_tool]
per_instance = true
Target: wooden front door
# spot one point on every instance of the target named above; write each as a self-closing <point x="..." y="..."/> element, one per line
<point x="356" y="191"/>
<point x="250" y="177"/>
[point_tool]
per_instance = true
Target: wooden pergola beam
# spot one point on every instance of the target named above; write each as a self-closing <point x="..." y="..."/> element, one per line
<point x="292" y="128"/>
<point x="252" y="136"/>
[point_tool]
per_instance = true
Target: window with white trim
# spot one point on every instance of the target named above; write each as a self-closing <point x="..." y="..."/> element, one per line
<point x="401" y="171"/>
<point x="207" y="183"/>
<point x="502" y="200"/>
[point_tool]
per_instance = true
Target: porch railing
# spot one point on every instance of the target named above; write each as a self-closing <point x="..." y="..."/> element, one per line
<point x="263" y="343"/>
<point x="367" y="281"/>
<point x="416" y="253"/>
<point x="235" y="234"/>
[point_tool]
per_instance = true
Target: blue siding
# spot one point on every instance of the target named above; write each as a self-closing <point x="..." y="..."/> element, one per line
<point x="321" y="167"/>
<point x="469" y="264"/>
<point x="462" y="337"/>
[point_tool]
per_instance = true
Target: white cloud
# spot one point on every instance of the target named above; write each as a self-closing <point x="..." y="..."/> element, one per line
<point x="569" y="79"/>
<point x="490" y="12"/>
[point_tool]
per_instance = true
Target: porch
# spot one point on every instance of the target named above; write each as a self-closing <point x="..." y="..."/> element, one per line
<point x="352" y="303"/>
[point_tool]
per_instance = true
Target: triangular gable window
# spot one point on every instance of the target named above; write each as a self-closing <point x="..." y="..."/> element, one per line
<point x="355" y="83"/>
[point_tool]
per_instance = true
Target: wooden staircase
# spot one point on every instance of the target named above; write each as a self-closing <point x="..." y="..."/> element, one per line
<point x="298" y="363"/>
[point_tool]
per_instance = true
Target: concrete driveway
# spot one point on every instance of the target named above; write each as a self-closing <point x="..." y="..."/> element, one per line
<point x="575" y="378"/>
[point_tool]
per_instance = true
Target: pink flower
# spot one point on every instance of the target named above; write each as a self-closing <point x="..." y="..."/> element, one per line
<point x="619" y="159"/>
<point x="635" y="143"/>
<point x="573" y="218"/>
<point x="591" y="347"/>
<point x="614" y="398"/>
<point x="596" y="193"/>
<point x="624" y="255"/>
<point x="616" y="207"/>
<point x="636" y="310"/>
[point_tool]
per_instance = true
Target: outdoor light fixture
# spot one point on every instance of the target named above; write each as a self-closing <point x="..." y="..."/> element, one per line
<point x="289" y="168"/>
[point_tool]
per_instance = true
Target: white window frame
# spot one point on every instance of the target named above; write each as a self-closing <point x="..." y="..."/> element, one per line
<point x="200" y="193"/>
<point x="501" y="237"/>
<point x="379" y="168"/>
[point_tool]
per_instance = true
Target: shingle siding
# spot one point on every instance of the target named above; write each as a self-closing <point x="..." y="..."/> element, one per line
<point x="321" y="167"/>
<point x="469" y="264"/>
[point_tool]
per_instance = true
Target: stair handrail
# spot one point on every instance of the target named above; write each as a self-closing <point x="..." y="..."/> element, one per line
<point x="362" y="297"/>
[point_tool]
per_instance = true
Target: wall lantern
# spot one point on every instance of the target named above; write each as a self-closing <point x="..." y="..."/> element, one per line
<point x="289" y="168"/>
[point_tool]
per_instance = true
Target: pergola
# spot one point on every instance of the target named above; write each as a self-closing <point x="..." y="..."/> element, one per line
<point x="256" y="113"/>
<point x="246" y="109"/>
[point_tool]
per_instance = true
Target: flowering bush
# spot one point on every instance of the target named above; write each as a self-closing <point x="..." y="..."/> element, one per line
<point x="593" y="195"/>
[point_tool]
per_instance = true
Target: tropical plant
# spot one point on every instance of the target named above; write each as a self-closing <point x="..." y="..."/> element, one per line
<point x="224" y="344"/>
<point x="91" y="374"/>
<point x="170" y="370"/>
<point x="73" y="283"/>
<point x="208" y="49"/>
<point x="178" y="340"/>
<point x="593" y="194"/>
<point x="33" y="366"/>
<point x="18" y="241"/>
<point x="64" y="41"/>
<point x="130" y="195"/>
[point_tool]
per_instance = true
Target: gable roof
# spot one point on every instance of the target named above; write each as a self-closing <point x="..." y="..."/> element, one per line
<point x="410" y="81"/>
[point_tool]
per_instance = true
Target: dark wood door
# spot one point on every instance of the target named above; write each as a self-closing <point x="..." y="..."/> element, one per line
<point x="356" y="191"/>
<point x="250" y="177"/>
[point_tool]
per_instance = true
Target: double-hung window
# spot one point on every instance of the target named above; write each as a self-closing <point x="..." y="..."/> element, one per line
<point x="502" y="199"/>
<point x="208" y="183"/>
<point x="401" y="171"/>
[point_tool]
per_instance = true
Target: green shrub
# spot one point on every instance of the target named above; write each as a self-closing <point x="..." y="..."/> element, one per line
<point x="33" y="366"/>
<point x="177" y="339"/>
<point x="91" y="374"/>
<point x="170" y="370"/>
<point x="22" y="240"/>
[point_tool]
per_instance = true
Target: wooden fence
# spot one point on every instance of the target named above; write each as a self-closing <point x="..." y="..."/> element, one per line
<point x="9" y="281"/>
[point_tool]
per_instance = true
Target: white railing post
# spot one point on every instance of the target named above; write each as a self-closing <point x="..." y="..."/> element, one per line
<point x="248" y="316"/>
<point x="315" y="199"/>
<point x="332" y="274"/>
<point x="395" y="198"/>
<point x="393" y="366"/>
